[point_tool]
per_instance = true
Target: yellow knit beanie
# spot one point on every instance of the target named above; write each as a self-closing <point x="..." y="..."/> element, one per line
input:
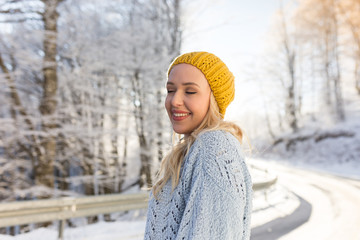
<point x="220" y="79"/>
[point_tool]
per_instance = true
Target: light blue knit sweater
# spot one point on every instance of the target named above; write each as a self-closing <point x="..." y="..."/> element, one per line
<point x="213" y="198"/>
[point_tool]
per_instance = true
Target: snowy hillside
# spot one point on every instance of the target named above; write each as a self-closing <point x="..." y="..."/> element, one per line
<point x="335" y="149"/>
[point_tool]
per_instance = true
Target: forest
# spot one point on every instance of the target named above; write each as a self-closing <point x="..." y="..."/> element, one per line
<point x="80" y="81"/>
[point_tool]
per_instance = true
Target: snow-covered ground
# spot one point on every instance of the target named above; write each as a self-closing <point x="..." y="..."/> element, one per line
<point x="277" y="202"/>
<point x="329" y="149"/>
<point x="102" y="230"/>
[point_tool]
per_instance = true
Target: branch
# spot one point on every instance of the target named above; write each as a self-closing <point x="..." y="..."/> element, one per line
<point x="21" y="20"/>
<point x="317" y="137"/>
<point x="11" y="11"/>
<point x="338" y="134"/>
<point x="17" y="102"/>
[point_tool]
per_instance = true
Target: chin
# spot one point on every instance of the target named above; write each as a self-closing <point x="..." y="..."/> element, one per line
<point x="180" y="131"/>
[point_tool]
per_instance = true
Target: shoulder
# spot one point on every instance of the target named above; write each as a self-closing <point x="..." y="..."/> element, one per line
<point x="216" y="149"/>
<point x="211" y="145"/>
<point x="213" y="134"/>
<point x="217" y="140"/>
<point x="221" y="159"/>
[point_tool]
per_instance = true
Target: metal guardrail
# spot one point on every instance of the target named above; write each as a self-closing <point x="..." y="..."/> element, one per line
<point x="264" y="185"/>
<point x="25" y="212"/>
<point x="17" y="213"/>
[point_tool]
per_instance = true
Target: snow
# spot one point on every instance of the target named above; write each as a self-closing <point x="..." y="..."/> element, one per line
<point x="276" y="202"/>
<point x="347" y="170"/>
<point x="103" y="230"/>
<point x="335" y="155"/>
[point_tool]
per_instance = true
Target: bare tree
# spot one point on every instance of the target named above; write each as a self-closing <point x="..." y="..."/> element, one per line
<point x="163" y="17"/>
<point x="283" y="72"/>
<point x="349" y="13"/>
<point x="319" y="23"/>
<point x="290" y="83"/>
<point x="41" y="149"/>
<point x="44" y="169"/>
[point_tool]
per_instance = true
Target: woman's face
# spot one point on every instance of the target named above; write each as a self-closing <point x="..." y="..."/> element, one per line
<point x="188" y="98"/>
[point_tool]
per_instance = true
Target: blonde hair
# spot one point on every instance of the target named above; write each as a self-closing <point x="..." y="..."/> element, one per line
<point x="171" y="164"/>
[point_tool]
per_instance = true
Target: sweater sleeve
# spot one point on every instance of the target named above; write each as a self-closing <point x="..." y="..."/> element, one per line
<point x="215" y="196"/>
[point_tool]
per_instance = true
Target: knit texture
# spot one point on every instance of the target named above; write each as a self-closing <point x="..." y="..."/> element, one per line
<point x="213" y="199"/>
<point x="220" y="79"/>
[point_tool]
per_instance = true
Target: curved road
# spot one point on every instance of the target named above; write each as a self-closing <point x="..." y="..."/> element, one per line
<point x="329" y="207"/>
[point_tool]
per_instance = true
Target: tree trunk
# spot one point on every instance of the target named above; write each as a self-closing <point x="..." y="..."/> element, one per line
<point x="290" y="101"/>
<point x="353" y="24"/>
<point x="123" y="163"/>
<point x="339" y="102"/>
<point x="145" y="170"/>
<point x="44" y="171"/>
<point x="160" y="127"/>
<point x="145" y="157"/>
<point x="176" y="36"/>
<point x="340" y="112"/>
<point x="327" y="93"/>
<point x="357" y="76"/>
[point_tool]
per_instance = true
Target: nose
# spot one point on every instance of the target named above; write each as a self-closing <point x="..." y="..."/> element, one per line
<point x="177" y="99"/>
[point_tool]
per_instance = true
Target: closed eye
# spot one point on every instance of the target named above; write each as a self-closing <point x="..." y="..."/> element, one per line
<point x="190" y="92"/>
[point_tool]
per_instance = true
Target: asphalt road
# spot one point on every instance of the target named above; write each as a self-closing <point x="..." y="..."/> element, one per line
<point x="329" y="207"/>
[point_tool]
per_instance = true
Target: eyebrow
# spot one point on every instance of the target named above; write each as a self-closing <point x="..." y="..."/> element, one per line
<point x="185" y="84"/>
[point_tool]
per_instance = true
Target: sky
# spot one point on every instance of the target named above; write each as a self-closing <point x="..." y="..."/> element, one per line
<point x="232" y="29"/>
<point x="237" y="32"/>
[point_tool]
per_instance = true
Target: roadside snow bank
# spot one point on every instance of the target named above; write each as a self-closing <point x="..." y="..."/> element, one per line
<point x="334" y="150"/>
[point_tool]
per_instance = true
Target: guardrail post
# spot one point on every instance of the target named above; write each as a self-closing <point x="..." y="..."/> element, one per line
<point x="61" y="229"/>
<point x="64" y="208"/>
<point x="266" y="195"/>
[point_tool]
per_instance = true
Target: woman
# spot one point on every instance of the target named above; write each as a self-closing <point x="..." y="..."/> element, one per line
<point x="205" y="189"/>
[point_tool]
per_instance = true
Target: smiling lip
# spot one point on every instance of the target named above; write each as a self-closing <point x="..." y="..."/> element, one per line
<point x="179" y="115"/>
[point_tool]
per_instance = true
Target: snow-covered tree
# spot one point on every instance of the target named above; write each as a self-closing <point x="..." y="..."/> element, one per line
<point x="78" y="88"/>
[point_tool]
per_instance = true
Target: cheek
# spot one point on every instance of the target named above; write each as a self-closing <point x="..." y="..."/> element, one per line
<point x="205" y="103"/>
<point x="201" y="106"/>
<point x="205" y="108"/>
<point x="167" y="103"/>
